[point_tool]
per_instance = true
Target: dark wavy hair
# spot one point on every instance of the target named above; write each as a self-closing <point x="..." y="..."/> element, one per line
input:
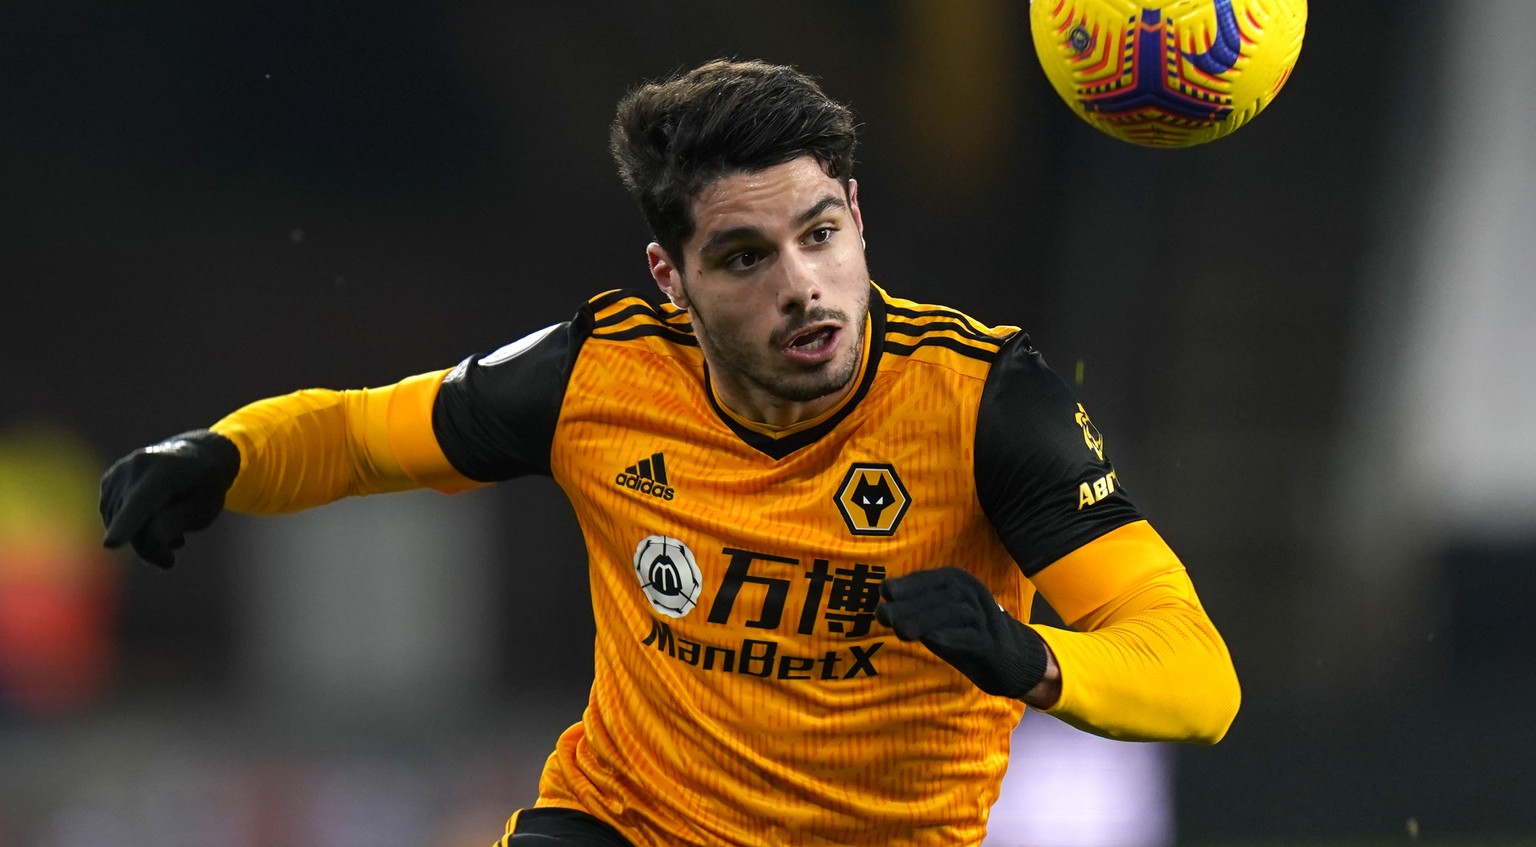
<point x="671" y="139"/>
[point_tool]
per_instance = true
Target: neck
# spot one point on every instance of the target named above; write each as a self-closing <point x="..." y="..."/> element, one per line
<point x="756" y="405"/>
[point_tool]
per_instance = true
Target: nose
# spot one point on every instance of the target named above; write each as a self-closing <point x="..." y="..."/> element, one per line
<point x="801" y="284"/>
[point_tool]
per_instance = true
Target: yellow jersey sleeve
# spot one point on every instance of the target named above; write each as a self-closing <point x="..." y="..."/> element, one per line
<point x="1145" y="662"/>
<point x="311" y="447"/>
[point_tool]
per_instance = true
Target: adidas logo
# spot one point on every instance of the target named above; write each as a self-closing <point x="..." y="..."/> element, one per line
<point x="647" y="476"/>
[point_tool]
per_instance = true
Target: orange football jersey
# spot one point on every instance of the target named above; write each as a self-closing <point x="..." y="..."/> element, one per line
<point x="743" y="692"/>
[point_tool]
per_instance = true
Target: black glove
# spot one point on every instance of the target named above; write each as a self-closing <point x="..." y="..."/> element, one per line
<point x="955" y="616"/>
<point x="155" y="495"/>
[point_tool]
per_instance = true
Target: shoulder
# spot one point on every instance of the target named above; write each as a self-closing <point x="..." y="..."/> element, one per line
<point x="939" y="335"/>
<point x="496" y="415"/>
<point x="627" y="315"/>
<point x="1043" y="474"/>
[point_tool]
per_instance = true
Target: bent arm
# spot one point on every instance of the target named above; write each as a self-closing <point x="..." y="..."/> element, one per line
<point x="312" y="447"/>
<point x="1145" y="662"/>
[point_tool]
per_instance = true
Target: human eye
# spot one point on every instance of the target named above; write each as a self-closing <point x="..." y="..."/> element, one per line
<point x="821" y="234"/>
<point x="744" y="260"/>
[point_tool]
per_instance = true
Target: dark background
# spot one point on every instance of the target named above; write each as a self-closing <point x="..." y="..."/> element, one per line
<point x="206" y="203"/>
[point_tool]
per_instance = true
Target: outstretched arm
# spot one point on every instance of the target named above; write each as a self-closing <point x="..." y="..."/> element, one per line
<point x="311" y="447"/>
<point x="495" y="415"/>
<point x="281" y="454"/>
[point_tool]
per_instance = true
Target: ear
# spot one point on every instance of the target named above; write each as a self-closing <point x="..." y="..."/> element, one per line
<point x="853" y="206"/>
<point x="667" y="275"/>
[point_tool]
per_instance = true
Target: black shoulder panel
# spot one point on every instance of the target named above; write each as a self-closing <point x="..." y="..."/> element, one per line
<point x="1041" y="475"/>
<point x="495" y="415"/>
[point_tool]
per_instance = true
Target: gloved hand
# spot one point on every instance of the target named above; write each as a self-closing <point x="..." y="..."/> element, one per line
<point x="155" y="495"/>
<point x="953" y="614"/>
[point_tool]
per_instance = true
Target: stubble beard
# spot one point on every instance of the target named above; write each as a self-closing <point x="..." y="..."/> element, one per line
<point x="828" y="378"/>
<point x="803" y="386"/>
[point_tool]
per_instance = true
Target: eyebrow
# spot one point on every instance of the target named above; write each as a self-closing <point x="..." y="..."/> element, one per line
<point x="744" y="233"/>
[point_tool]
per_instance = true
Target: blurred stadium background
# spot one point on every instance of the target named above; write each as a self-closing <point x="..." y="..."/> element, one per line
<point x="1310" y="346"/>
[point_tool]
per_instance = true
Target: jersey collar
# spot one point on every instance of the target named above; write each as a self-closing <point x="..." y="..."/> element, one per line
<point x="779" y="442"/>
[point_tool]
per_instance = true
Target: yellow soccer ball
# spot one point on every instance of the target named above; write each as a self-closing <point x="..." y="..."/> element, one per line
<point x="1167" y="73"/>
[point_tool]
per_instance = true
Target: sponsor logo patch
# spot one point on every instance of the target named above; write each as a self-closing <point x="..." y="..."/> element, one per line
<point x="668" y="575"/>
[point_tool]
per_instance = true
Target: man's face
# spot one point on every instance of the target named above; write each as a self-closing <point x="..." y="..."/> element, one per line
<point x="778" y="290"/>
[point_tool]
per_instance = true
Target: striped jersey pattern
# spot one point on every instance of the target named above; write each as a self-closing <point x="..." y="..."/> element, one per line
<point x="743" y="693"/>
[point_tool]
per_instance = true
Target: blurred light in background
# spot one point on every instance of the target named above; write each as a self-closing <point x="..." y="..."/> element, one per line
<point x="1435" y="459"/>
<point x="1066" y="788"/>
<point x="59" y="591"/>
<point x="1460" y="375"/>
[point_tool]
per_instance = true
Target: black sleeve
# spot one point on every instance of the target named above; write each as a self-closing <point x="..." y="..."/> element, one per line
<point x="495" y="415"/>
<point x="1041" y="475"/>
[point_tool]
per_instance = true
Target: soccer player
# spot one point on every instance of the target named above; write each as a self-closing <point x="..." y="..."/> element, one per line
<point x="815" y="513"/>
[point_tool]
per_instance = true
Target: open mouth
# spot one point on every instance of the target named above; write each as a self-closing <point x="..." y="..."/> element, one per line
<point x="813" y="340"/>
<point x="813" y="344"/>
